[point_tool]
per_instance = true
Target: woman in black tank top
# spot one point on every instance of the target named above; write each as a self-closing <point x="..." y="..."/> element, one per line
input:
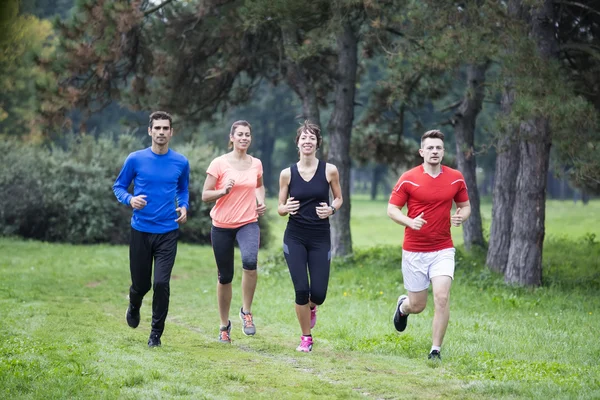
<point x="304" y="194"/>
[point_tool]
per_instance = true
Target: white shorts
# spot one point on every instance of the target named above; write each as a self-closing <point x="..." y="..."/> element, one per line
<point x="419" y="268"/>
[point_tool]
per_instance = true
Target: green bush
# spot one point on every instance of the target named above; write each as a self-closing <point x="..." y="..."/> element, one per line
<point x="64" y="193"/>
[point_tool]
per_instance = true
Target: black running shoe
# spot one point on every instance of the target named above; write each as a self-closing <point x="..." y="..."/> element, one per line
<point x="434" y="355"/>
<point x="400" y="319"/>
<point x="154" y="340"/>
<point x="133" y="316"/>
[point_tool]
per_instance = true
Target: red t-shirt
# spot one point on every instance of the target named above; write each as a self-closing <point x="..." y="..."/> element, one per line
<point x="433" y="197"/>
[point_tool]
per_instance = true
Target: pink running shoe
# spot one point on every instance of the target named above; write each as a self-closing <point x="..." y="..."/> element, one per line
<point x="313" y="317"/>
<point x="306" y="343"/>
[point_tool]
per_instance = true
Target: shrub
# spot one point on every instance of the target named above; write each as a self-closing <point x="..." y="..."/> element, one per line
<point x="63" y="193"/>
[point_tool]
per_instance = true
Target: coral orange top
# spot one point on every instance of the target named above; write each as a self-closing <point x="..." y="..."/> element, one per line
<point x="237" y="208"/>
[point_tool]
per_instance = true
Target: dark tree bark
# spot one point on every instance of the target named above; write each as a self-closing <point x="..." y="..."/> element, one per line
<point x="379" y="172"/>
<point x="464" y="122"/>
<point x="267" y="146"/>
<point x="340" y="129"/>
<point x="524" y="265"/>
<point x="503" y="197"/>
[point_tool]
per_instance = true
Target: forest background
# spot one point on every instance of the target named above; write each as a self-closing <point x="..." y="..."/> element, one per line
<point x="514" y="85"/>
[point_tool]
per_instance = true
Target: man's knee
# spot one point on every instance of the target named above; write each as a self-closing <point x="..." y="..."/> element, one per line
<point x="417" y="302"/>
<point x="160" y="285"/>
<point x="441" y="300"/>
<point x="140" y="290"/>
<point x="417" y="307"/>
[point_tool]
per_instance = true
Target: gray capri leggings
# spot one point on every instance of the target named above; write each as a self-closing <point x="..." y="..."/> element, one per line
<point x="223" y="244"/>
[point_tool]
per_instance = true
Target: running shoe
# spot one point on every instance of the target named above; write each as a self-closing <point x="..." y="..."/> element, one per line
<point x="133" y="316"/>
<point x="306" y="343"/>
<point x="400" y="319"/>
<point x="247" y="323"/>
<point x="434" y="355"/>
<point x="154" y="340"/>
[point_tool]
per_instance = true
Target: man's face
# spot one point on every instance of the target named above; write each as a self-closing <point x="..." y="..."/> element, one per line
<point x="432" y="151"/>
<point x="161" y="131"/>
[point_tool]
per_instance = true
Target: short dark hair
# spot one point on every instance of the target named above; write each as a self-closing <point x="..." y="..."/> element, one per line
<point x="241" y="122"/>
<point x="310" y="128"/>
<point x="156" y="115"/>
<point x="432" y="134"/>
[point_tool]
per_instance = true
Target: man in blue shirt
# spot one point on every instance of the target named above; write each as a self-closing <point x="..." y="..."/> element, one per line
<point x="160" y="201"/>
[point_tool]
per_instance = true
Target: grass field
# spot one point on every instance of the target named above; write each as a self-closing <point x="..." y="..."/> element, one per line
<point x="371" y="226"/>
<point x="63" y="332"/>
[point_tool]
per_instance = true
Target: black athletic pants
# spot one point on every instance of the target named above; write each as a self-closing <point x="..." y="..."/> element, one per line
<point x="143" y="249"/>
<point x="308" y="256"/>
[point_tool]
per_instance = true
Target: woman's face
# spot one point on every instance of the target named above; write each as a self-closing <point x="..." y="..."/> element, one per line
<point x="241" y="138"/>
<point x="307" y="143"/>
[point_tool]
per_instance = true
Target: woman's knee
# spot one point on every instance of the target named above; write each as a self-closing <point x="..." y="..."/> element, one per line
<point x="225" y="277"/>
<point x="302" y="297"/>
<point x="249" y="264"/>
<point x="318" y="298"/>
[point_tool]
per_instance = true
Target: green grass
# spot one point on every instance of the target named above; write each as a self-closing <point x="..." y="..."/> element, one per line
<point x="371" y="226"/>
<point x="63" y="332"/>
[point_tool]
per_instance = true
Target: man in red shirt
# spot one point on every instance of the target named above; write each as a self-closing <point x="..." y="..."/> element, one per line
<point x="428" y="252"/>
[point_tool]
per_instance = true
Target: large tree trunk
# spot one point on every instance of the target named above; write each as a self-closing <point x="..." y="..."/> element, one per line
<point x="524" y="265"/>
<point x="464" y="128"/>
<point x="340" y="129"/>
<point x="503" y="198"/>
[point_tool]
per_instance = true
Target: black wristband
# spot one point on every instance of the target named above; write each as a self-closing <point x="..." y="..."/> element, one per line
<point x="333" y="210"/>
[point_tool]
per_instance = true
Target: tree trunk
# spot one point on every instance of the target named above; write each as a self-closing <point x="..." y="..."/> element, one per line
<point x="464" y="128"/>
<point x="340" y="129"/>
<point x="266" y="156"/>
<point x="503" y="197"/>
<point x="524" y="265"/>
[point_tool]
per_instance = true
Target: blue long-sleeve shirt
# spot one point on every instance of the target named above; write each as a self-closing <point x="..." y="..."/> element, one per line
<point x="164" y="179"/>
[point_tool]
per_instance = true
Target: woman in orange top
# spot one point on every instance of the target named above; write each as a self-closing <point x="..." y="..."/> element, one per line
<point x="234" y="180"/>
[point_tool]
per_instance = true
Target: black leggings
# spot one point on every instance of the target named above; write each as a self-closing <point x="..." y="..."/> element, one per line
<point x="223" y="241"/>
<point x="308" y="256"/>
<point x="143" y="249"/>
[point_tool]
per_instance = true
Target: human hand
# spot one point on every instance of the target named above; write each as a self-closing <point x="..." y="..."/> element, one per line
<point x="456" y="219"/>
<point x="324" y="210"/>
<point x="182" y="215"/>
<point x="228" y="185"/>
<point x="138" y="202"/>
<point x="261" y="208"/>
<point x="418" y="222"/>
<point x="292" y="206"/>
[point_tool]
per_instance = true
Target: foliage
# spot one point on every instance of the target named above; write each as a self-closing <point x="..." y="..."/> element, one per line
<point x="64" y="192"/>
<point x="24" y="37"/>
<point x="46" y="8"/>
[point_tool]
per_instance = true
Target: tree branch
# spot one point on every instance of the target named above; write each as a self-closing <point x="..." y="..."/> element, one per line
<point x="156" y="7"/>
<point x="581" y="5"/>
<point x="451" y="106"/>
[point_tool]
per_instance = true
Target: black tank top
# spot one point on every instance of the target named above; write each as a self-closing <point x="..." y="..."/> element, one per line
<point x="310" y="194"/>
